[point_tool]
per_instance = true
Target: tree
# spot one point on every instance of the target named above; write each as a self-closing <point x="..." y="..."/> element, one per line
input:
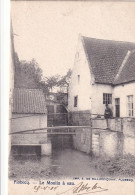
<point x="32" y="68"/>
<point x="52" y="81"/>
<point x="65" y="80"/>
<point x="16" y="60"/>
<point x="32" y="72"/>
<point x="28" y="74"/>
<point x="58" y="81"/>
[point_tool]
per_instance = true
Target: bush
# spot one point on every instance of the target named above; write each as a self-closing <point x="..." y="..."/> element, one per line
<point x="118" y="166"/>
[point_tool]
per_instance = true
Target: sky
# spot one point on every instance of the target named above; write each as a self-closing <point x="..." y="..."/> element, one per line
<point x="48" y="31"/>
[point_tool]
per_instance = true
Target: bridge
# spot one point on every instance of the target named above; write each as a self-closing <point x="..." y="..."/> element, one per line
<point x="46" y="137"/>
<point x="87" y="133"/>
<point x="59" y="130"/>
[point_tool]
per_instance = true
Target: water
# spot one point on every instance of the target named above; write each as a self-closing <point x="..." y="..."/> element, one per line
<point x="63" y="163"/>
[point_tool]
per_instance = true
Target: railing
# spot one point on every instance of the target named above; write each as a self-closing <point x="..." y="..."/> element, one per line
<point x="67" y="130"/>
<point x="97" y="116"/>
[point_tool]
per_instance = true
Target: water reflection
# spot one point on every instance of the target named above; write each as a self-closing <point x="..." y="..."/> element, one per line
<point x="67" y="163"/>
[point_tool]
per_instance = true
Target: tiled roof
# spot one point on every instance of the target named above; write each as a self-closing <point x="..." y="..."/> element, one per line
<point x="105" y="57"/>
<point x="127" y="73"/>
<point x="29" y="101"/>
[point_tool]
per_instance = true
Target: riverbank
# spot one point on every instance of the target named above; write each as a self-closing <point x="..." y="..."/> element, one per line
<point x="64" y="163"/>
<point x="121" y="166"/>
<point x="70" y="163"/>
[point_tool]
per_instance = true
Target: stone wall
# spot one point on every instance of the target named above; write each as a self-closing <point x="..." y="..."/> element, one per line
<point x="114" y="124"/>
<point x="55" y="119"/>
<point x="123" y="137"/>
<point x="79" y="118"/>
<point x="110" y="144"/>
<point x="21" y="122"/>
<point x="98" y="140"/>
<point x="82" y="139"/>
<point x="129" y="135"/>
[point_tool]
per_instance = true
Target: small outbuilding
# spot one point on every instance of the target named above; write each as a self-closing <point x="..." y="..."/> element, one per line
<point x="28" y="113"/>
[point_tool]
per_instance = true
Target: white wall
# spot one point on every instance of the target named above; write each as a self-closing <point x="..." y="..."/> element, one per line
<point x="122" y="91"/>
<point x="83" y="88"/>
<point x="27" y="123"/>
<point x="90" y="94"/>
<point x="97" y="98"/>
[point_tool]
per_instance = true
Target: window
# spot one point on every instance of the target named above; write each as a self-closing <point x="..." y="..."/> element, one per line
<point x="78" y="79"/>
<point x="107" y="98"/>
<point x="75" y="101"/>
<point x="130" y="105"/>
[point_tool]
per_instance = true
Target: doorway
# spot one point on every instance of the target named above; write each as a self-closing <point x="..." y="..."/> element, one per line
<point x="117" y="107"/>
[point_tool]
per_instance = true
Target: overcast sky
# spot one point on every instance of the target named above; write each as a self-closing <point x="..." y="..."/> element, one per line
<point x="48" y="31"/>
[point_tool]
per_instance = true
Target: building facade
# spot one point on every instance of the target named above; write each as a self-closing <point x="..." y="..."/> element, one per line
<point x="103" y="73"/>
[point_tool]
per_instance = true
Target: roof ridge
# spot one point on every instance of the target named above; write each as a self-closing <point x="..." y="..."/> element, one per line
<point x="132" y="51"/>
<point x="111" y="40"/>
<point x="127" y="73"/>
<point x="122" y="65"/>
<point x="107" y="58"/>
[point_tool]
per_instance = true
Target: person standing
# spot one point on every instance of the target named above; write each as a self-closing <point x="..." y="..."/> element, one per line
<point x="108" y="114"/>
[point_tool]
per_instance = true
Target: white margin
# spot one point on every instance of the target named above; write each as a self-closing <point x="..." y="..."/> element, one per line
<point x="5" y="49"/>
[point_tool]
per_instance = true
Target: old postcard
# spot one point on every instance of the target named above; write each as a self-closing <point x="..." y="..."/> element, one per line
<point x="72" y="98"/>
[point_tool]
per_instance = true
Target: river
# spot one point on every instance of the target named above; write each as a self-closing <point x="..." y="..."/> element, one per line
<point x="63" y="163"/>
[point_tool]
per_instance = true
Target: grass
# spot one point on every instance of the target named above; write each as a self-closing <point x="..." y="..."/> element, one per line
<point x="29" y="168"/>
<point x="33" y="167"/>
<point x="117" y="166"/>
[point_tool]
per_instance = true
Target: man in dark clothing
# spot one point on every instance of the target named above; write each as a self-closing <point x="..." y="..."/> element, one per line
<point x="108" y="114"/>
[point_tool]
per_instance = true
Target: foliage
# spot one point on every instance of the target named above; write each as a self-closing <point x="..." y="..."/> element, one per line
<point x="59" y="81"/>
<point x="117" y="166"/>
<point x="52" y="81"/>
<point x="16" y="59"/>
<point x="32" y="69"/>
<point x="65" y="80"/>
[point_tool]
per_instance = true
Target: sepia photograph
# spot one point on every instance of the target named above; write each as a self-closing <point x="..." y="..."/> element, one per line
<point x="72" y="95"/>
